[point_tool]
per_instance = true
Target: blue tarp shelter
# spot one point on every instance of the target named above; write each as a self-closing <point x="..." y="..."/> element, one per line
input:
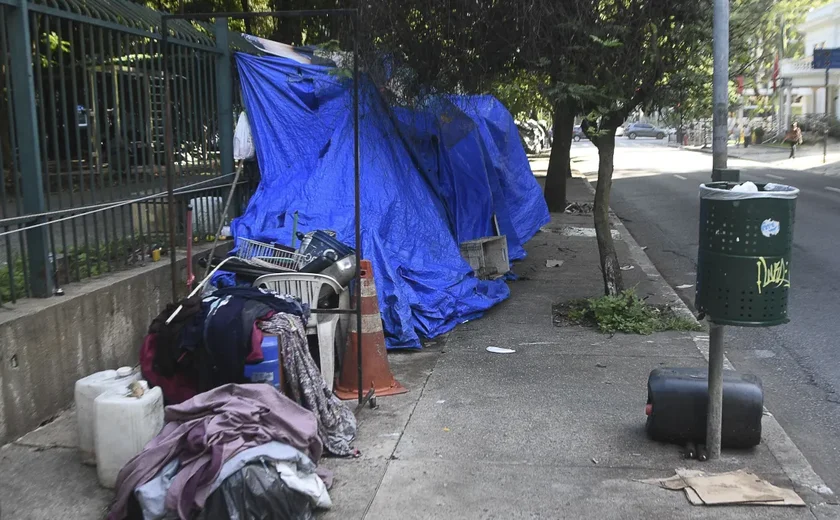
<point x="302" y="123"/>
<point x="470" y="149"/>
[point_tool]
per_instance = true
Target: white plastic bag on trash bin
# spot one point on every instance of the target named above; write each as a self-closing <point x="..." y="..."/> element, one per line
<point x="720" y="191"/>
<point x="243" y="143"/>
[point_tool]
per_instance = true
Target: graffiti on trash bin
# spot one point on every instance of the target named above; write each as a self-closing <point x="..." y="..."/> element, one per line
<point x="772" y="274"/>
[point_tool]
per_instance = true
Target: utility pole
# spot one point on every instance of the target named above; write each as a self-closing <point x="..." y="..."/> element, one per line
<point x="779" y="83"/>
<point x="720" y="94"/>
<point x="827" y="117"/>
<point x="720" y="84"/>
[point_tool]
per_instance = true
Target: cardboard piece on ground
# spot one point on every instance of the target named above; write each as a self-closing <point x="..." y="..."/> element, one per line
<point x="734" y="487"/>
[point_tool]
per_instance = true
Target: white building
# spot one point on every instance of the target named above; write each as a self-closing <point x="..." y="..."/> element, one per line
<point x="801" y="81"/>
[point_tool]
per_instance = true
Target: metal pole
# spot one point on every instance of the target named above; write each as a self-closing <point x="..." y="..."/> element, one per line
<point x="357" y="206"/>
<point x="29" y="152"/>
<point x="780" y="83"/>
<point x="719" y="156"/>
<point x="224" y="96"/>
<point x="715" y="409"/>
<point x="720" y="83"/>
<point x="169" y="158"/>
<point x="827" y="119"/>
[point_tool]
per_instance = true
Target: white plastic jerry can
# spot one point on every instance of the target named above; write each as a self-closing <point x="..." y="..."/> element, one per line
<point x="86" y="391"/>
<point x="124" y="425"/>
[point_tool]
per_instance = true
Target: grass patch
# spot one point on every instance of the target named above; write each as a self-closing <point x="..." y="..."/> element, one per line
<point x="625" y="312"/>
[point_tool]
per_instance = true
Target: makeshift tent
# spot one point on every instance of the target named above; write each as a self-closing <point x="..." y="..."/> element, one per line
<point x="302" y="123"/>
<point x="469" y="148"/>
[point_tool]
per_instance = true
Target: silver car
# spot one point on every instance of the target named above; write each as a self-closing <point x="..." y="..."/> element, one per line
<point x="644" y="130"/>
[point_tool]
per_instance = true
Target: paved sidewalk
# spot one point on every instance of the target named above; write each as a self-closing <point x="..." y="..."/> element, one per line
<point x="555" y="430"/>
<point x="808" y="157"/>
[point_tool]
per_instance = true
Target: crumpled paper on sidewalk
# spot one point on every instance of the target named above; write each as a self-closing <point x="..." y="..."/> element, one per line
<point x="735" y="487"/>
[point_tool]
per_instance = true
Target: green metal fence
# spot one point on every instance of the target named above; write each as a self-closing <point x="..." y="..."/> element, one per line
<point x="82" y="171"/>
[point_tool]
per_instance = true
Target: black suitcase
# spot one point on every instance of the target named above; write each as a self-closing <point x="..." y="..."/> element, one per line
<point x="678" y="399"/>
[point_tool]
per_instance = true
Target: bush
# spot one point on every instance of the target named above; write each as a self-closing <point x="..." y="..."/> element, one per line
<point x="627" y="313"/>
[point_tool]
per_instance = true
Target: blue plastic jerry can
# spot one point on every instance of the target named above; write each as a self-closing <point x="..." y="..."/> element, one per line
<point x="269" y="370"/>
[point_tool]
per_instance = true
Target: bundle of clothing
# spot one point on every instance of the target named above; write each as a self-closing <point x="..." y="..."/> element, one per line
<point x="211" y="340"/>
<point x="225" y="452"/>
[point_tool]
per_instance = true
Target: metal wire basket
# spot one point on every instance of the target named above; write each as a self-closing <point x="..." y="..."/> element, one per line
<point x="288" y="262"/>
<point x="268" y="255"/>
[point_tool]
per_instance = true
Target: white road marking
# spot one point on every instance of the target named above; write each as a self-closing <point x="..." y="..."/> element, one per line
<point x="680" y="177"/>
<point x="832" y="188"/>
<point x="777" y="177"/>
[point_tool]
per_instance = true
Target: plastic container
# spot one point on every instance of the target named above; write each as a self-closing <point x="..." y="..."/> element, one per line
<point x="124" y="424"/>
<point x="678" y="399"/>
<point x="269" y="370"/>
<point x="86" y="391"/>
<point x="319" y="245"/>
<point x="487" y="256"/>
<point x="343" y="271"/>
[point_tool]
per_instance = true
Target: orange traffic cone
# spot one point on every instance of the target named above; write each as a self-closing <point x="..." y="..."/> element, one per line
<point x="376" y="372"/>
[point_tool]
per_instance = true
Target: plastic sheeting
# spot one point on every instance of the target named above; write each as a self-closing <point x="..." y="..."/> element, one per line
<point x="523" y="197"/>
<point x="302" y="123"/>
<point x="724" y="191"/>
<point x="469" y="149"/>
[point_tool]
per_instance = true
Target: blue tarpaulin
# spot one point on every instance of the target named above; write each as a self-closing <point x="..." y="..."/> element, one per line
<point x="469" y="147"/>
<point x="523" y="197"/>
<point x="302" y="123"/>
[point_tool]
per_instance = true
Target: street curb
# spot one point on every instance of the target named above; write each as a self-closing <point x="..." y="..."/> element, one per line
<point x="789" y="457"/>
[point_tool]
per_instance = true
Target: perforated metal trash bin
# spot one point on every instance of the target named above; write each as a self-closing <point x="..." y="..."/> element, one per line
<point x="743" y="259"/>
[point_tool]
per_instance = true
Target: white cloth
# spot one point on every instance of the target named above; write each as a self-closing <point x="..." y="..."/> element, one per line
<point x="308" y="484"/>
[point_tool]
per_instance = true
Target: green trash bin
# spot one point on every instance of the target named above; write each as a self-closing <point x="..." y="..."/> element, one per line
<point x="743" y="259"/>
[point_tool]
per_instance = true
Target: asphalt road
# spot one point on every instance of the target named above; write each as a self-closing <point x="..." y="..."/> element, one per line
<point x="655" y="193"/>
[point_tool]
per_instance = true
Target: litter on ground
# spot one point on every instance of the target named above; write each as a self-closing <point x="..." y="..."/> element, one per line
<point x="740" y="487"/>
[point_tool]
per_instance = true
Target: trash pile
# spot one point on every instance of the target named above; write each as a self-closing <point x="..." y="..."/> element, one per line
<point x="250" y="411"/>
<point x="740" y="487"/>
<point x="319" y="252"/>
<point x="228" y="453"/>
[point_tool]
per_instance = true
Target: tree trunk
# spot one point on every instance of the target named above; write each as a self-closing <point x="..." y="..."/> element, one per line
<point x="613" y="284"/>
<point x="558" y="163"/>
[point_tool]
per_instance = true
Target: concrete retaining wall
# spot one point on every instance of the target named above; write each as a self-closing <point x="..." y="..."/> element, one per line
<point x="46" y="345"/>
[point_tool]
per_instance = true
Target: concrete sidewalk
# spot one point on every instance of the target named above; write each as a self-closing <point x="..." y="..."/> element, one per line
<point x="808" y="157"/>
<point x="555" y="430"/>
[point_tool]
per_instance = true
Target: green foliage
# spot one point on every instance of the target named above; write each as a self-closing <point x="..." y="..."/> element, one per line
<point x="523" y="94"/>
<point x="17" y="278"/>
<point x="87" y="262"/>
<point x="627" y="313"/>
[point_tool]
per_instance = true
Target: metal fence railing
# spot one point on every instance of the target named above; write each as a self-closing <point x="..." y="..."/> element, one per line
<point x="82" y="162"/>
<point x="699" y="133"/>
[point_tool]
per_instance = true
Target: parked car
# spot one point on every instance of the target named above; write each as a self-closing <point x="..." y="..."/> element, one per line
<point x="577" y="134"/>
<point x="644" y="130"/>
<point x="619" y="131"/>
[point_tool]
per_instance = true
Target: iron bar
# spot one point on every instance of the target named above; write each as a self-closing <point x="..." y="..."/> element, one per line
<point x="169" y="158"/>
<point x="28" y="137"/>
<point x="357" y="205"/>
<point x="65" y="120"/>
<point x="43" y="144"/>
